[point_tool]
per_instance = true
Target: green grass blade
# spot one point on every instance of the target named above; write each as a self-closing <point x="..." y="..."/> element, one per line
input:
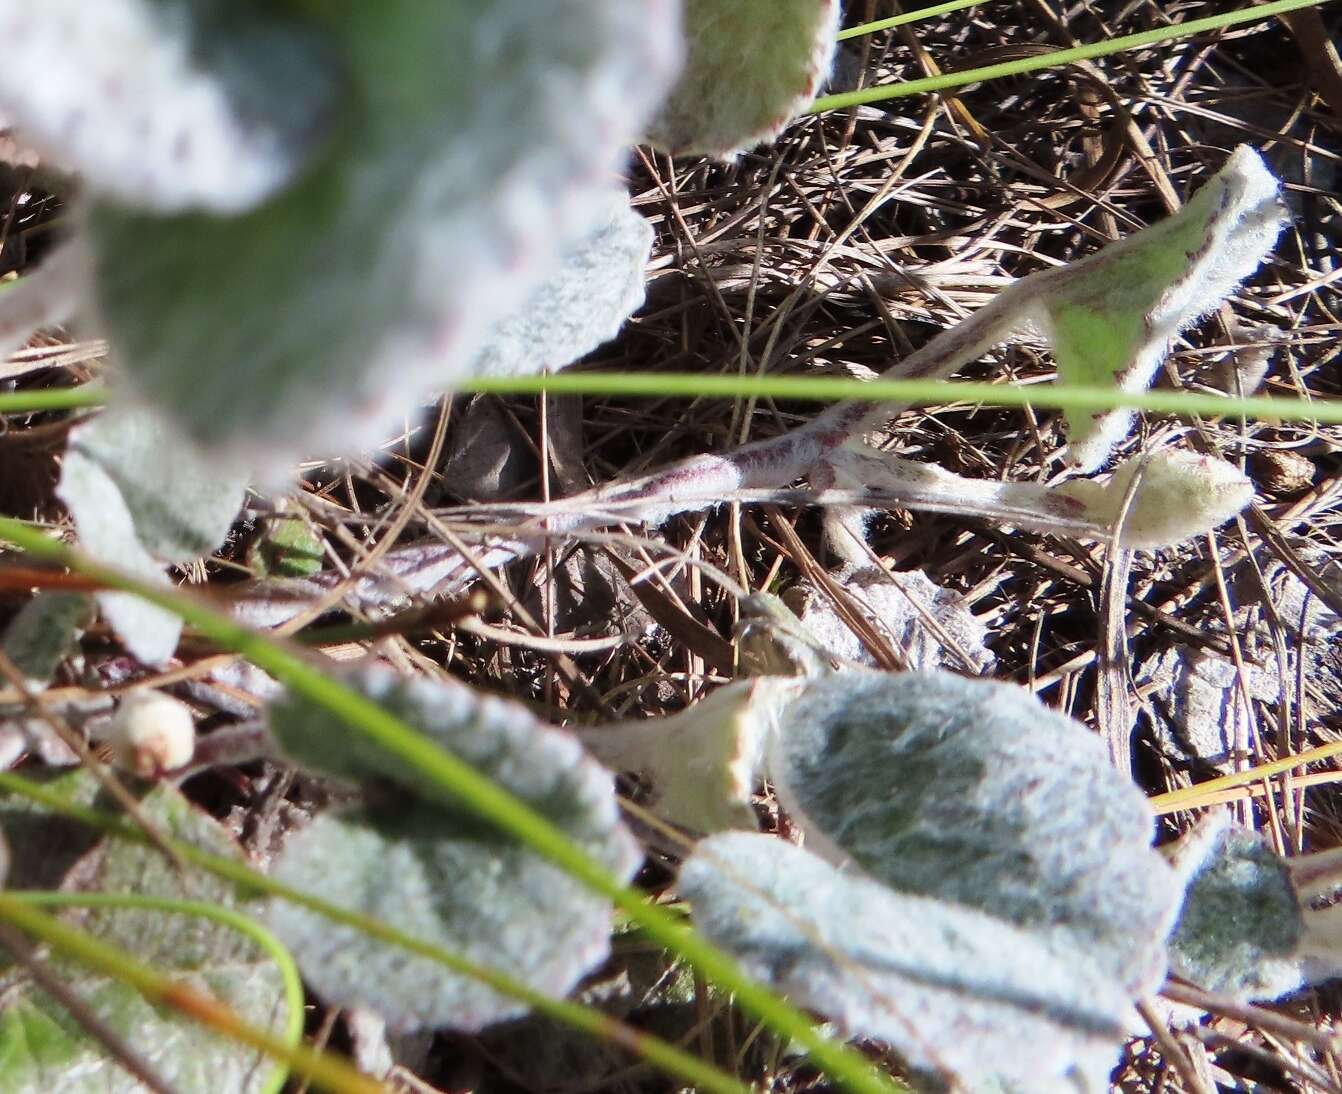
<point x="916" y="393"/>
<point x="54" y="398"/>
<point x="693" y="385"/>
<point x="1088" y="52"/>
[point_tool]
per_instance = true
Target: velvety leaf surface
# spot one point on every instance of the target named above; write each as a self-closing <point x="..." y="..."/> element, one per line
<point x="44" y="633"/>
<point x="106" y="530"/>
<point x="598" y="285"/>
<point x="473" y="146"/>
<point x="181" y="503"/>
<point x="486" y="898"/>
<point x="952" y="989"/>
<point x="43" y="1050"/>
<point x="1241" y="925"/>
<point x="140" y="496"/>
<point x="414" y="856"/>
<point x="1178" y="495"/>
<point x="972" y="792"/>
<point x="752" y="66"/>
<point x="502" y="740"/>
<point x="168" y="104"/>
<point x="1112" y="316"/>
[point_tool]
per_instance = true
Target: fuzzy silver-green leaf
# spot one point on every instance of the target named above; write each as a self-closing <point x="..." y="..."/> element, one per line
<point x="43" y="1049"/>
<point x="974" y="793"/>
<point x="954" y="990"/>
<point x="474" y="144"/>
<point x="169" y="105"/>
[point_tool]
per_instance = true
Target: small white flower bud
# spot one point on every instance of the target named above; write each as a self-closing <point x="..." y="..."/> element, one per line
<point x="152" y="733"/>
<point x="751" y="66"/>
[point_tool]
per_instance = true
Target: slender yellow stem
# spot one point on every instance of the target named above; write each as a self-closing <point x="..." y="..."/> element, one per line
<point x="1190" y="797"/>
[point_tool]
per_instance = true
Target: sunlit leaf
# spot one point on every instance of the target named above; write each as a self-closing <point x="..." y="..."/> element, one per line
<point x="500" y="738"/>
<point x="598" y="285"/>
<point x="106" y="530"/>
<point x="475" y="145"/>
<point x="43" y="1049"/>
<point x="412" y="855"/>
<point x="1111" y="317"/>
<point x="752" y="66"/>
<point x="181" y="502"/>
<point x="288" y="548"/>
<point x="972" y="792"/>
<point x="486" y="898"/>
<point x="141" y="497"/>
<point x="169" y="104"/>
<point x="954" y="990"/>
<point x="1241" y="925"/>
<point x="1178" y="495"/>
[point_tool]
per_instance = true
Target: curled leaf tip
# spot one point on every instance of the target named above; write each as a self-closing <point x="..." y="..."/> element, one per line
<point x="751" y="67"/>
<point x="1111" y="317"/>
<point x="704" y="762"/>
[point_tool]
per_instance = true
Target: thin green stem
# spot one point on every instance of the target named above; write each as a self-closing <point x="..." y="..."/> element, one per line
<point x="829" y="389"/>
<point x="659" y="1053"/>
<point x="915" y="393"/>
<point x="1059" y="57"/>
<point x="228" y="917"/>
<point x="908" y="17"/>
<point x="489" y="800"/>
<point x="54" y="398"/>
<point x="326" y="1071"/>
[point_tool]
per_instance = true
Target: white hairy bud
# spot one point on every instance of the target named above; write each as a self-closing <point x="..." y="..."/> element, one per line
<point x="152" y="733"/>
